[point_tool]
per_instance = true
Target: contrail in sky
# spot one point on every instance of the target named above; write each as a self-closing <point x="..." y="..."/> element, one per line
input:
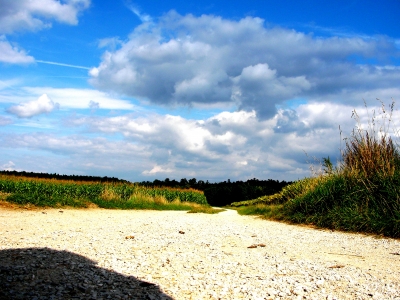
<point x="61" y="64"/>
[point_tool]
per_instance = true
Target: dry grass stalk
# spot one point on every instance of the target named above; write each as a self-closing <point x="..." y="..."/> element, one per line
<point x="371" y="151"/>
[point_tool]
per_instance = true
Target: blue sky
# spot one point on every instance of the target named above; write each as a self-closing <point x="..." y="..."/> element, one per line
<point x="213" y="90"/>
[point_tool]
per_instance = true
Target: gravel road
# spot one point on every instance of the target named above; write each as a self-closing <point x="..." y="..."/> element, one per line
<point x="113" y="254"/>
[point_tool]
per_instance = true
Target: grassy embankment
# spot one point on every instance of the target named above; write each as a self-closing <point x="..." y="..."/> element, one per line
<point x="360" y="194"/>
<point x="25" y="191"/>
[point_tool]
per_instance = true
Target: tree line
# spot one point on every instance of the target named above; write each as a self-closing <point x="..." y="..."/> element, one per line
<point x="226" y="192"/>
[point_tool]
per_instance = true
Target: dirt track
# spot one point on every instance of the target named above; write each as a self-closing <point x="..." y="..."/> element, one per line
<point x="195" y="256"/>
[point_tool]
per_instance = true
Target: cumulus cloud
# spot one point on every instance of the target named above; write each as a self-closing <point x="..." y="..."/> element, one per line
<point x="189" y="60"/>
<point x="32" y="108"/>
<point x="33" y="15"/>
<point x="235" y="145"/>
<point x="258" y="84"/>
<point x="288" y="121"/>
<point x="11" y="54"/>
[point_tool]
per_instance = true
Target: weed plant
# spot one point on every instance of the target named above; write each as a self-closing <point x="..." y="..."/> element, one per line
<point x="362" y="193"/>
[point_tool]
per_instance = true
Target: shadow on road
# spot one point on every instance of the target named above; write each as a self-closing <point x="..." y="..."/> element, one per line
<point x="43" y="273"/>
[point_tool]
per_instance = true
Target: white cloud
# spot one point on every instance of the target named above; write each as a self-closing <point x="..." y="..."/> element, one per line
<point x="9" y="166"/>
<point x="227" y="143"/>
<point x="111" y="43"/>
<point x="258" y="84"/>
<point x="143" y="17"/>
<point x="35" y="15"/>
<point x="325" y="115"/>
<point x="11" y="54"/>
<point x="68" y="97"/>
<point x="157" y="170"/>
<point x="32" y="108"/>
<point x="235" y="145"/>
<point x="189" y="60"/>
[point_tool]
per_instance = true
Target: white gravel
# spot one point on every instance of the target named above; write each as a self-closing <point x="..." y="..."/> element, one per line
<point x="111" y="254"/>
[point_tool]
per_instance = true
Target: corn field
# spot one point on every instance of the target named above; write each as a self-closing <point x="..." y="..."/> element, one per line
<point x="51" y="192"/>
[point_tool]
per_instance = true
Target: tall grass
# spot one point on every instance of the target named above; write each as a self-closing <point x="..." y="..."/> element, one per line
<point x="361" y="193"/>
<point x="371" y="151"/>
